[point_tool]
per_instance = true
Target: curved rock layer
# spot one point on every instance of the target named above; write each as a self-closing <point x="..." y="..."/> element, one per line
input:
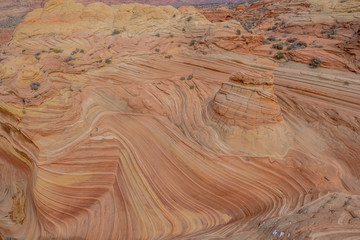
<point x="247" y="100"/>
<point x="107" y="132"/>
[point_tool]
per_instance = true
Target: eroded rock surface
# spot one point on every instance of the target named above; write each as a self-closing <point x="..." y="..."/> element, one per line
<point x="248" y="100"/>
<point x="107" y="131"/>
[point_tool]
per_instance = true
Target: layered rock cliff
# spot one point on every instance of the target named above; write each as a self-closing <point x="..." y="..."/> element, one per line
<point x="111" y="128"/>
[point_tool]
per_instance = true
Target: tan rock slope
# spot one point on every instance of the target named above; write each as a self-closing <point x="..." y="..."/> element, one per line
<point x="112" y="127"/>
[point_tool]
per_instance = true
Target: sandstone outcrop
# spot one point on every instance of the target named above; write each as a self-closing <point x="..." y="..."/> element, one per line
<point x="323" y="26"/>
<point x="248" y="100"/>
<point x="108" y="131"/>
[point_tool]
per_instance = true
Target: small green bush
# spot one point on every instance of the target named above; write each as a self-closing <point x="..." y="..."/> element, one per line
<point x="190" y="77"/>
<point x="297" y="45"/>
<point x="238" y="32"/>
<point x="315" y="62"/>
<point x="279" y="55"/>
<point x="317" y="46"/>
<point x="57" y="50"/>
<point x="68" y="59"/>
<point x="291" y="40"/>
<point x="11" y="238"/>
<point x="108" y="61"/>
<point x="278" y="46"/>
<point x="115" y="32"/>
<point x="271" y="38"/>
<point x="34" y="85"/>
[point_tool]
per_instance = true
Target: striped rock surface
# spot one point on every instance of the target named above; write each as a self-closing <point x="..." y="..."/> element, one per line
<point x="107" y="131"/>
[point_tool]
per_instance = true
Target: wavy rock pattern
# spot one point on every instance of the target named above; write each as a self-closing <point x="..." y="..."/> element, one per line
<point x="248" y="100"/>
<point x="100" y="138"/>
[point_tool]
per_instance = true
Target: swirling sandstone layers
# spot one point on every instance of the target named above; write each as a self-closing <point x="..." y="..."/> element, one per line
<point x="248" y="100"/>
<point x="115" y="145"/>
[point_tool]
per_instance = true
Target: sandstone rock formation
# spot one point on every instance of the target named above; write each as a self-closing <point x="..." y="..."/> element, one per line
<point x="248" y="100"/>
<point x="12" y="12"/>
<point x="321" y="27"/>
<point x="108" y="131"/>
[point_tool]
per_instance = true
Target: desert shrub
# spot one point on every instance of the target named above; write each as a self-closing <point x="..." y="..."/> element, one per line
<point x="157" y="35"/>
<point x="34" y="85"/>
<point x="317" y="46"/>
<point x="115" y="32"/>
<point x="10" y="238"/>
<point x="271" y="38"/>
<point x="157" y="50"/>
<point x="291" y="40"/>
<point x="182" y="78"/>
<point x="169" y="56"/>
<point x="238" y="32"/>
<point x="247" y="25"/>
<point x="108" y="61"/>
<point x="192" y="86"/>
<point x="330" y="32"/>
<point x="346" y="83"/>
<point x="192" y="42"/>
<point x="68" y="59"/>
<point x="278" y="46"/>
<point x="189" y="19"/>
<point x="315" y="62"/>
<point x="238" y="45"/>
<point x="297" y="45"/>
<point x="279" y="55"/>
<point x="190" y="77"/>
<point x="266" y="42"/>
<point x="82" y="51"/>
<point x="57" y="50"/>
